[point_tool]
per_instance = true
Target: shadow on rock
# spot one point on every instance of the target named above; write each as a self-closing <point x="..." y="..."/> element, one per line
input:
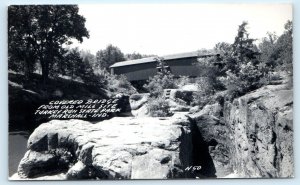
<point x="201" y="156"/>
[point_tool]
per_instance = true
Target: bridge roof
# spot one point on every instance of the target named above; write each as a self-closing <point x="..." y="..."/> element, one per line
<point x="166" y="57"/>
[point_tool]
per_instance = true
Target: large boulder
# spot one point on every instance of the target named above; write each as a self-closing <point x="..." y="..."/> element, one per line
<point x="119" y="148"/>
<point x="190" y="87"/>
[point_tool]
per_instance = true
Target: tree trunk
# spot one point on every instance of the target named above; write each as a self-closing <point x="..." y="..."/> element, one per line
<point x="27" y="71"/>
<point x="45" y="71"/>
<point x="28" y="68"/>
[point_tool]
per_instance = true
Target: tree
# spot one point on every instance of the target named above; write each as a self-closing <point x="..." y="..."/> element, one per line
<point x="21" y="53"/>
<point x="133" y="56"/>
<point x="284" y="47"/>
<point x="72" y="63"/>
<point x="89" y="58"/>
<point x="267" y="48"/>
<point x="277" y="52"/>
<point x="243" y="69"/>
<point x="37" y="34"/>
<point x="244" y="50"/>
<point x="107" y="57"/>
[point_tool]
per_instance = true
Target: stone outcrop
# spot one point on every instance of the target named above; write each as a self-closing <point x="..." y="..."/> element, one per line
<point x="261" y="132"/>
<point x="138" y="104"/>
<point x="211" y="141"/>
<point x="252" y="136"/>
<point x="190" y="87"/>
<point x="178" y="101"/>
<point x="119" y="148"/>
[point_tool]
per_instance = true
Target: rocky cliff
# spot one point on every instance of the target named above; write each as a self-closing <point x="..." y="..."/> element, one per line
<point x="261" y="132"/>
<point x="251" y="136"/>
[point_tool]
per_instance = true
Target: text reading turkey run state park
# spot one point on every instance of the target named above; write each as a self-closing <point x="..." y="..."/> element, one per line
<point x="70" y="109"/>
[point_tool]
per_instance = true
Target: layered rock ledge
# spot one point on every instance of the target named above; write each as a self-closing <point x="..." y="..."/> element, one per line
<point x="119" y="148"/>
<point x="250" y="137"/>
<point x="261" y="132"/>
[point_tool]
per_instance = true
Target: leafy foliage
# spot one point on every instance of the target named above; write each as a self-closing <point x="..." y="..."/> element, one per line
<point x="69" y="66"/>
<point x="206" y="91"/>
<point x="78" y="65"/>
<point x="88" y="56"/>
<point x="36" y="33"/>
<point x="134" y="56"/>
<point x="241" y="65"/>
<point x="160" y="82"/>
<point x="277" y="52"/>
<point x="158" y="107"/>
<point x="209" y="71"/>
<point x="245" y="67"/>
<point x="163" y="80"/>
<point x="182" y="81"/>
<point x="118" y="84"/>
<point x="108" y="56"/>
<point x="285" y="48"/>
<point x="267" y="48"/>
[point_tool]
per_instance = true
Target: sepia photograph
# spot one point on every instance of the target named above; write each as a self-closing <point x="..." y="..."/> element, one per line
<point x="150" y="91"/>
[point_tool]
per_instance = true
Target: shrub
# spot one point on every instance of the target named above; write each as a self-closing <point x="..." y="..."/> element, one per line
<point x="210" y="68"/>
<point x="249" y="78"/>
<point x="185" y="96"/>
<point x="118" y="84"/>
<point x="200" y="99"/>
<point x="271" y="78"/>
<point x="89" y="77"/>
<point x="204" y="84"/>
<point x="159" y="82"/>
<point x="163" y="80"/>
<point x="182" y="81"/>
<point x="95" y="80"/>
<point x="206" y="91"/>
<point x="158" y="107"/>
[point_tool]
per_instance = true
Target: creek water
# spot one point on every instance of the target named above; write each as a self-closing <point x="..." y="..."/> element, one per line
<point x="17" y="142"/>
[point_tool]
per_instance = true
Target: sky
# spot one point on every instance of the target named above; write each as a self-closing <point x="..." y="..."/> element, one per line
<point x="163" y="29"/>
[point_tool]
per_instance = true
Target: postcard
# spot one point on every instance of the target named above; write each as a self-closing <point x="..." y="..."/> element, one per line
<point x="150" y="91"/>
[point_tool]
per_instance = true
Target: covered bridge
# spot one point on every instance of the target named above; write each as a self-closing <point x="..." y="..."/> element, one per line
<point x="141" y="69"/>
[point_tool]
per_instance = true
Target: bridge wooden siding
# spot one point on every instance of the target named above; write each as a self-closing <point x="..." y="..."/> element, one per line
<point x="141" y="69"/>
